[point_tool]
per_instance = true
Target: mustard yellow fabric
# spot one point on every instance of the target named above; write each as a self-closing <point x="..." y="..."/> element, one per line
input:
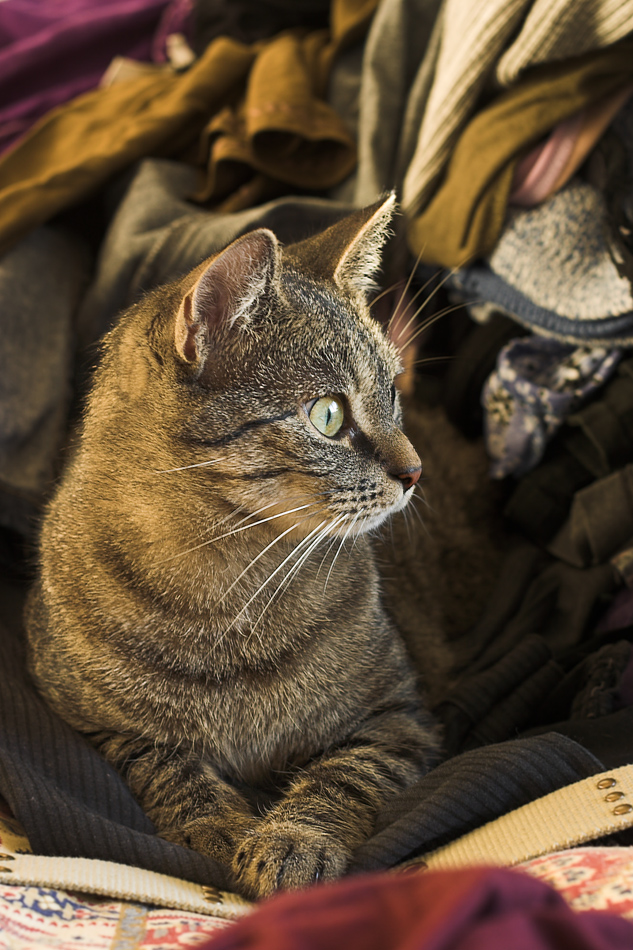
<point x="243" y="111"/>
<point x="464" y="219"/>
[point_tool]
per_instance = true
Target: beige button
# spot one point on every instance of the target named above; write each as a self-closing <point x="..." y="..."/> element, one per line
<point x="613" y="796"/>
<point x="212" y="894"/>
<point x="622" y="809"/>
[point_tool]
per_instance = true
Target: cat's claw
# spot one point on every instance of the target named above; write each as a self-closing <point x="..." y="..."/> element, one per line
<point x="286" y="856"/>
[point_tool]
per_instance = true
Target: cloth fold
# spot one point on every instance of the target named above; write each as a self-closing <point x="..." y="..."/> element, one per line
<point x="600" y="521"/>
<point x="471" y="909"/>
<point x="467" y="791"/>
<point x="52" y="52"/>
<point x="463" y="219"/>
<point x="595" y="441"/>
<point x="473" y="42"/>
<point x="295" y="138"/>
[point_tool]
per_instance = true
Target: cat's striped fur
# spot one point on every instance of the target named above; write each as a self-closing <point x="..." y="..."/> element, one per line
<point x="196" y="613"/>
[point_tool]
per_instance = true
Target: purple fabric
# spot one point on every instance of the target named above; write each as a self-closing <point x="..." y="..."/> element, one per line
<point x="52" y="51"/>
<point x="537" y="382"/>
<point x="470" y="909"/>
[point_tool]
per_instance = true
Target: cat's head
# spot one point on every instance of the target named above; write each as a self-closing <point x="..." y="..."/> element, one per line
<point x="273" y="386"/>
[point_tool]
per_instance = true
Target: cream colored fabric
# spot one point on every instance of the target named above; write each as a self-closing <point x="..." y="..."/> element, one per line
<point x="573" y="815"/>
<point x="582" y="812"/>
<point x="558" y="29"/>
<point x="119" y="881"/>
<point x="480" y="44"/>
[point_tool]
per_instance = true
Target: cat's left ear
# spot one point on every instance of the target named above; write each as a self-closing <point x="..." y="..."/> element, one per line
<point x="350" y="251"/>
<point x="227" y="293"/>
<point x="360" y="260"/>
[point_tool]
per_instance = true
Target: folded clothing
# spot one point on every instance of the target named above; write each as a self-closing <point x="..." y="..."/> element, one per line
<point x="478" y="42"/>
<point x="549" y="166"/>
<point x="250" y="112"/>
<point x="465" y="216"/>
<point x="52" y="52"/>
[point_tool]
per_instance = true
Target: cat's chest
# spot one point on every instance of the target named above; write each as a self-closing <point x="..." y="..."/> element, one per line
<point x="258" y="722"/>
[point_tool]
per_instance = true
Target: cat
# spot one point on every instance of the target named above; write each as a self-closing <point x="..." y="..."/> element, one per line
<point x="198" y="614"/>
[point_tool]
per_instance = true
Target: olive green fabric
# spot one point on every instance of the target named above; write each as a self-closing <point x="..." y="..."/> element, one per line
<point x="465" y="217"/>
<point x="243" y="112"/>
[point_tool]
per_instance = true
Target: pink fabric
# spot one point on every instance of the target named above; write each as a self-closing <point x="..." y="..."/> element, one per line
<point x="589" y="878"/>
<point x="537" y="173"/>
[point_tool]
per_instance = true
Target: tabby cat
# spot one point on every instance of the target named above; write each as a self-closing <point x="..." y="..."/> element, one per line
<point x="197" y="613"/>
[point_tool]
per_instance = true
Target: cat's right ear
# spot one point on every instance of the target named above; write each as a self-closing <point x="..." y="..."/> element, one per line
<point x="227" y="293"/>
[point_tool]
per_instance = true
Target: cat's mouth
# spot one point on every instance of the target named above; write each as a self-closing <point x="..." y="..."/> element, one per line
<point x="368" y="519"/>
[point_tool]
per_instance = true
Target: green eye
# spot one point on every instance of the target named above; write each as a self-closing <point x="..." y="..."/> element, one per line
<point x="327" y="415"/>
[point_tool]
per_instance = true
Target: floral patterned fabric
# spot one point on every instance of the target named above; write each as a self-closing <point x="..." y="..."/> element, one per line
<point x="43" y="918"/>
<point x="37" y="918"/>
<point x="589" y="878"/>
<point x="536" y="384"/>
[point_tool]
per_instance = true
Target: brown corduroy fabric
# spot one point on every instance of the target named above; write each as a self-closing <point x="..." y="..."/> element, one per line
<point x="259" y="108"/>
<point x="464" y="220"/>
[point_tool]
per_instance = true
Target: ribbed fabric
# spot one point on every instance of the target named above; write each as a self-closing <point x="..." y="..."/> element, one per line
<point x="471" y="40"/>
<point x="500" y="679"/>
<point x="69" y="800"/>
<point x="585" y="811"/>
<point x="556" y="29"/>
<point x="469" y="36"/>
<point x="471" y="789"/>
<point x="492" y="705"/>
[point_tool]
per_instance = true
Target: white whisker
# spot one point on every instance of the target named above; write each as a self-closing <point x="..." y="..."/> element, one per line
<point x="340" y="548"/>
<point x="296" y="567"/>
<point x="237" y="530"/>
<point x="296" y="548"/>
<point x="255" y="559"/>
<point x="183" y="468"/>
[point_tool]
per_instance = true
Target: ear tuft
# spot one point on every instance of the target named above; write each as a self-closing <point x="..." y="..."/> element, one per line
<point x="362" y="258"/>
<point x="227" y="293"/>
<point x="350" y="251"/>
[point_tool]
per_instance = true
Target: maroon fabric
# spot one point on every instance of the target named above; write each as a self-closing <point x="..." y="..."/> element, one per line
<point x="472" y="909"/>
<point x="55" y="50"/>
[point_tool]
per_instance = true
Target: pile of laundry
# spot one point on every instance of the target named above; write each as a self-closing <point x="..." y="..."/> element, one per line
<point x="138" y="137"/>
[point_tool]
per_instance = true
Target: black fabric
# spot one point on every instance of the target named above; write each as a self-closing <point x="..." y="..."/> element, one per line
<point x="72" y="803"/>
<point x="68" y="799"/>
<point x="467" y="372"/>
<point x="600" y="521"/>
<point x="535" y="594"/>
<point x="252" y="20"/>
<point x="468" y="791"/>
<point x="595" y="441"/>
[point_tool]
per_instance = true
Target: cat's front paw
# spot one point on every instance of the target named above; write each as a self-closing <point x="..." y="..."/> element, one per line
<point x="285" y="856"/>
<point x="212" y="835"/>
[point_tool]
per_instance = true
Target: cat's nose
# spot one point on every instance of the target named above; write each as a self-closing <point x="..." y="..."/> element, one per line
<point x="409" y="478"/>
